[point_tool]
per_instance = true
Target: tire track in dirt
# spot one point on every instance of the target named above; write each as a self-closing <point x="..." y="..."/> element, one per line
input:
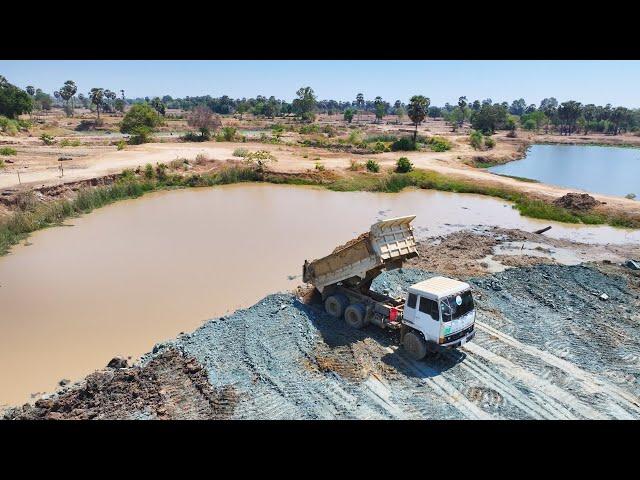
<point x="629" y="403"/>
<point x="557" y="402"/>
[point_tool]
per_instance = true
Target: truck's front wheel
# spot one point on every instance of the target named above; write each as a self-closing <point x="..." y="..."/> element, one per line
<point x="415" y="345"/>
<point x="354" y="316"/>
<point x="335" y="305"/>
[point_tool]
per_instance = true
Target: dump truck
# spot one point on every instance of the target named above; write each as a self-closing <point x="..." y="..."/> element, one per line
<point x="437" y="312"/>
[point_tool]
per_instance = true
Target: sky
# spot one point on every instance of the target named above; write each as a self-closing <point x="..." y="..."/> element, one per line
<point x="593" y="81"/>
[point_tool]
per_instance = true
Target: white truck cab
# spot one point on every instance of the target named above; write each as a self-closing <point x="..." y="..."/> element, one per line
<point x="442" y="310"/>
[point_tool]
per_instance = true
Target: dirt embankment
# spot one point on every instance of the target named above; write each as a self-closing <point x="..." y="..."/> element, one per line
<point x="170" y="386"/>
<point x="553" y="341"/>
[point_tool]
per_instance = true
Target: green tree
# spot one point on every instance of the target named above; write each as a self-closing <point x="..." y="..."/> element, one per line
<point x="67" y="92"/>
<point x="348" y="115"/>
<point x="567" y="115"/>
<point x="489" y="118"/>
<point x="380" y="109"/>
<point x="13" y="100"/>
<point x="140" y="121"/>
<point x="159" y="106"/>
<point x="462" y="105"/>
<point x="359" y="104"/>
<point x="305" y="105"/>
<point x="96" y="95"/>
<point x="417" y="111"/>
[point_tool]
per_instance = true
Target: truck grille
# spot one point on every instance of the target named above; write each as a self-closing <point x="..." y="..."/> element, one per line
<point x="457" y="335"/>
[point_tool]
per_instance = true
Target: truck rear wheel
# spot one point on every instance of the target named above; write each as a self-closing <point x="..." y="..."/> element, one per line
<point x="335" y="305"/>
<point x="354" y="315"/>
<point x="415" y="345"/>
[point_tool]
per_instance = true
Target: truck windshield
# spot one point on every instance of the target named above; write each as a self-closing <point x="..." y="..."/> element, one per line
<point x="455" y="306"/>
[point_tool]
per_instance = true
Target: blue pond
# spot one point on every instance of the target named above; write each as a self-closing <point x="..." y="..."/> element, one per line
<point x="607" y="170"/>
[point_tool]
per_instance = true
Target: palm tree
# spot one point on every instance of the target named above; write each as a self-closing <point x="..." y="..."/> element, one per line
<point x="359" y="103"/>
<point x="417" y="111"/>
<point x="97" y="98"/>
<point x="67" y="92"/>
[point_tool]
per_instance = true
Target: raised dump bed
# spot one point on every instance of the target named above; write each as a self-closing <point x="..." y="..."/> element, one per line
<point x="356" y="263"/>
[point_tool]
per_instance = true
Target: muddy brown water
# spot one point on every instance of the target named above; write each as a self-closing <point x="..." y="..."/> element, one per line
<point x="137" y="272"/>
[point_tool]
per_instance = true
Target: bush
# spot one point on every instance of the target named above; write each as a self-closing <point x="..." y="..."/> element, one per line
<point x="149" y="172"/>
<point x="439" y="144"/>
<point x="240" y="152"/>
<point x="228" y="134"/>
<point x="121" y="144"/>
<point x="489" y="142"/>
<point x="65" y="142"/>
<point x="194" y="137"/>
<point x="379" y="147"/>
<point x="630" y="196"/>
<point x="8" y="126"/>
<point x="381" y="138"/>
<point x="1" y="163"/>
<point x="319" y="167"/>
<point x="476" y="139"/>
<point x="6" y="151"/>
<point x="404" y="165"/>
<point x="356" y="166"/>
<point x="140" y="121"/>
<point x="47" y="139"/>
<point x="373" y="166"/>
<point x="404" y="144"/>
<point x="530" y="124"/>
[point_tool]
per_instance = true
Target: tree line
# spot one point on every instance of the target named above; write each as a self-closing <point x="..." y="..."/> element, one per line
<point x="564" y="118"/>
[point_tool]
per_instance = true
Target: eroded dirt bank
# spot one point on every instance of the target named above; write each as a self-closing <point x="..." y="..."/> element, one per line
<point x="553" y="341"/>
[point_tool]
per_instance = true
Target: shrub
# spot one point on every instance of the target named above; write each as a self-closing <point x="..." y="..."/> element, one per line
<point x="1" y="163"/>
<point x="6" y="151"/>
<point x="8" y="126"/>
<point x="355" y="137"/>
<point x="379" y="147"/>
<point x="404" y="165"/>
<point x="489" y="142"/>
<point x="373" y="166"/>
<point x="439" y="144"/>
<point x="476" y="139"/>
<point x="630" y="196"/>
<point x="228" y="134"/>
<point x="381" y="138"/>
<point x="149" y="172"/>
<point x="530" y="124"/>
<point x="140" y="121"/>
<point x="121" y="144"/>
<point x="319" y="167"/>
<point x="240" y="152"/>
<point x="194" y="137"/>
<point x="404" y="144"/>
<point x="47" y="139"/>
<point x="65" y="142"/>
<point x="260" y="159"/>
<point x="356" y="166"/>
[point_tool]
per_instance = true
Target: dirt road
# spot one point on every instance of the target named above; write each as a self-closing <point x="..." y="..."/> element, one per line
<point x="88" y="164"/>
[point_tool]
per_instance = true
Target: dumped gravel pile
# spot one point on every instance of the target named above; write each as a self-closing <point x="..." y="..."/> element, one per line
<point x="553" y="342"/>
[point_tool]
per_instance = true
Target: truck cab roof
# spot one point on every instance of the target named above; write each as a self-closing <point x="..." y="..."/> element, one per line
<point x="438" y="287"/>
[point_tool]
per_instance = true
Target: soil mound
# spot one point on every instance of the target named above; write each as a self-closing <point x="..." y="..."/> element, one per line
<point x="577" y="201"/>
<point x="171" y="385"/>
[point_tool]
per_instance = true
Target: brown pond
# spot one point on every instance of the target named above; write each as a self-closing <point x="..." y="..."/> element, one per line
<point x="141" y="271"/>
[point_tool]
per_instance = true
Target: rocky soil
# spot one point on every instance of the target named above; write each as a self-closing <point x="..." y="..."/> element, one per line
<point x="553" y="341"/>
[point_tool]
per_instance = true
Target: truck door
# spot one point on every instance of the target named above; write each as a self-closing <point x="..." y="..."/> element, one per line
<point x="428" y="319"/>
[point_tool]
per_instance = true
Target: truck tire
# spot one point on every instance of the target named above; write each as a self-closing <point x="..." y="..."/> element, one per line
<point x="415" y="345"/>
<point x="354" y="315"/>
<point x="335" y="305"/>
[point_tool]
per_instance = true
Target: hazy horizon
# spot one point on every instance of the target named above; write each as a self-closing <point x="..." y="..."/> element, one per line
<point x="593" y="81"/>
